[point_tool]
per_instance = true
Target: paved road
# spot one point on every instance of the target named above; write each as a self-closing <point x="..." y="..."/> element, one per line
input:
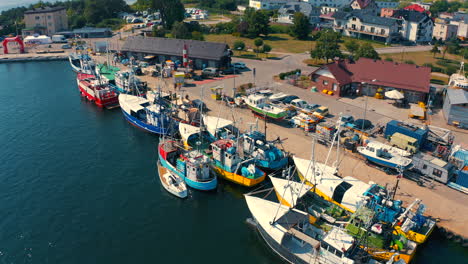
<point x="404" y="49"/>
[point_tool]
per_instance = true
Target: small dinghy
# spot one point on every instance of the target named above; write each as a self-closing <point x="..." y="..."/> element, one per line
<point x="172" y="182"/>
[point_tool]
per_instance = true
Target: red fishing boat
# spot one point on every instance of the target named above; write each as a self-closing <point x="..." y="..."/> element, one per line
<point x="102" y="94"/>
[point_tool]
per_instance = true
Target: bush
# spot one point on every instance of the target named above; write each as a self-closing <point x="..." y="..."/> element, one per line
<point x="437" y="81"/>
<point x="282" y="75"/>
<point x="436" y="69"/>
<point x="236" y="34"/>
<point x="388" y="59"/>
<point x="428" y="65"/>
<point x="442" y="63"/>
<point x="409" y="62"/>
<point x="450" y="70"/>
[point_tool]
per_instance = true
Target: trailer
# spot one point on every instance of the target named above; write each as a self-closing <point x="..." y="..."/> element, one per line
<point x="433" y="168"/>
<point x="411" y="130"/>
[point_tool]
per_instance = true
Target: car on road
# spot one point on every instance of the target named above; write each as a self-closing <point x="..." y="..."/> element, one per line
<point x="239" y="65"/>
<point x="210" y="72"/>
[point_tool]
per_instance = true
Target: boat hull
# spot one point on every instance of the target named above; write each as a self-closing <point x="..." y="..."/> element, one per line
<point x="146" y="127"/>
<point x="202" y="186"/>
<point x="278" y="249"/>
<point x="78" y="69"/>
<point x="261" y="112"/>
<point x="99" y="102"/>
<point x="269" y="166"/>
<point x="238" y="179"/>
<point x="179" y="193"/>
<point x="384" y="163"/>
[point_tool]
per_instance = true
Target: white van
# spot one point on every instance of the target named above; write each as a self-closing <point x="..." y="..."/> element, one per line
<point x="59" y="39"/>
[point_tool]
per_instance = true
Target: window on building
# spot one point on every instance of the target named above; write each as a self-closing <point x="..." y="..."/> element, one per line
<point x="363" y="28"/>
<point x="372" y="29"/>
<point x="325" y="82"/>
<point x="382" y="31"/>
<point x="353" y="26"/>
<point x="49" y="17"/>
<point x="437" y="172"/>
<point x="50" y="24"/>
<point x="335" y="87"/>
<point x="354" y="19"/>
<point x="424" y="166"/>
<point x="38" y="17"/>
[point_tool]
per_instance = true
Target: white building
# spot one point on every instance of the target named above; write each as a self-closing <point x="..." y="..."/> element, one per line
<point x="361" y="24"/>
<point x="287" y="11"/>
<point x="416" y="27"/>
<point x="268" y="4"/>
<point x="330" y="3"/>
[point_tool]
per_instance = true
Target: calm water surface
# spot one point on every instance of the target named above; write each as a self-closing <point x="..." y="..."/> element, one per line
<point x="78" y="185"/>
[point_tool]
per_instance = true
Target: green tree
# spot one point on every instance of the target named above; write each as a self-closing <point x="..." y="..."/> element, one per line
<point x="367" y="51"/>
<point x="258" y="22"/>
<point x="327" y="46"/>
<point x="159" y="32"/>
<point x="465" y="53"/>
<point x="351" y="46"/>
<point x="258" y="42"/>
<point x="435" y="50"/>
<point x="180" y="31"/>
<point x="301" y="26"/>
<point x="171" y="11"/>
<point x="444" y="51"/>
<point x="266" y="48"/>
<point x="239" y="45"/>
<point x="197" y="35"/>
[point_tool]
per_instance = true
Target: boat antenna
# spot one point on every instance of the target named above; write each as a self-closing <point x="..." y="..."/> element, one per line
<point x="335" y="137"/>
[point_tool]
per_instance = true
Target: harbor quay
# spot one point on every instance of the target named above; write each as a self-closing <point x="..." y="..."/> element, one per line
<point x="443" y="203"/>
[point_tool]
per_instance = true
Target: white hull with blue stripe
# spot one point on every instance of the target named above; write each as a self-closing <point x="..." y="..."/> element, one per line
<point x="382" y="157"/>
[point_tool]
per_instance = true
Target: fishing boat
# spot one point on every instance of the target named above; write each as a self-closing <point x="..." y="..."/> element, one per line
<point x="81" y="63"/>
<point x="190" y="165"/>
<point x="172" y="182"/>
<point x="127" y="82"/>
<point x="195" y="137"/>
<point x="288" y="232"/>
<point x="278" y="96"/>
<point x="152" y="117"/>
<point x="266" y="155"/>
<point x="459" y="80"/>
<point x="92" y="88"/>
<point x="220" y="128"/>
<point x="387" y="226"/>
<point x="107" y="72"/>
<point x="392" y="150"/>
<point x="259" y="106"/>
<point x="228" y="163"/>
<point x="380" y="155"/>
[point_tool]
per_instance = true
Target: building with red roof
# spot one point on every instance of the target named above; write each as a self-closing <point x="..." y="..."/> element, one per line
<point x="366" y="76"/>
<point x="418" y="8"/>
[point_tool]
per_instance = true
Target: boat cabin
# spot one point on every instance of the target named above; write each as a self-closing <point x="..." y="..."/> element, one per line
<point x="197" y="166"/>
<point x="225" y="152"/>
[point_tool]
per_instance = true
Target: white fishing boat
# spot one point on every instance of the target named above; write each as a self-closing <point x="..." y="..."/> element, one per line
<point x="278" y="96"/>
<point x="459" y="80"/>
<point x="381" y="156"/>
<point x="258" y="104"/>
<point x="172" y="182"/>
<point x="289" y="234"/>
<point x="392" y="150"/>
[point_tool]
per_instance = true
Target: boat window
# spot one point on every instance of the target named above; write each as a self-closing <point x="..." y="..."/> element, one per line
<point x="339" y="254"/>
<point x="437" y="172"/>
<point x="340" y="191"/>
<point x="372" y="149"/>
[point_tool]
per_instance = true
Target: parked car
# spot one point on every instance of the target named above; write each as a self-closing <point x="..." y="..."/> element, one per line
<point x="239" y="65"/>
<point x="210" y="72"/>
<point x="227" y="71"/>
<point x="288" y="99"/>
<point x="321" y="111"/>
<point x="66" y="46"/>
<point x="199" y="104"/>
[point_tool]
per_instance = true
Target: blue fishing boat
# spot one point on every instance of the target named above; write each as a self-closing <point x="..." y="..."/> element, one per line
<point x="381" y="155"/>
<point x="154" y="117"/>
<point x="190" y="165"/>
<point x="267" y="156"/>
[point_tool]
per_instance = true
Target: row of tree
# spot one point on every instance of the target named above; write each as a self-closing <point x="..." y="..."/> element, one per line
<point x="328" y="47"/>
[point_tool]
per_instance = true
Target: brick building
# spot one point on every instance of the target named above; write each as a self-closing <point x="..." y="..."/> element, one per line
<point x="366" y="76"/>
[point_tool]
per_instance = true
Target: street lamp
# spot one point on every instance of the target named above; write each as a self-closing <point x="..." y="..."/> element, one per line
<point x="365" y="107"/>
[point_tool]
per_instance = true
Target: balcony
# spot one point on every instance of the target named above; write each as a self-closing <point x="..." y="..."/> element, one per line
<point x="368" y="32"/>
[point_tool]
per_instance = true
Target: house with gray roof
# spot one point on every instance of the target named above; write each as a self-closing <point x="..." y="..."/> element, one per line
<point x="287" y="11"/>
<point x="201" y="53"/>
<point x="362" y="24"/>
<point x="456" y="107"/>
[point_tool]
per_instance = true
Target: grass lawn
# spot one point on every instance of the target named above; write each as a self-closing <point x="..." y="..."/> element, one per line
<point x="420" y="57"/>
<point x="375" y="44"/>
<point x="255" y="56"/>
<point x="279" y="42"/>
